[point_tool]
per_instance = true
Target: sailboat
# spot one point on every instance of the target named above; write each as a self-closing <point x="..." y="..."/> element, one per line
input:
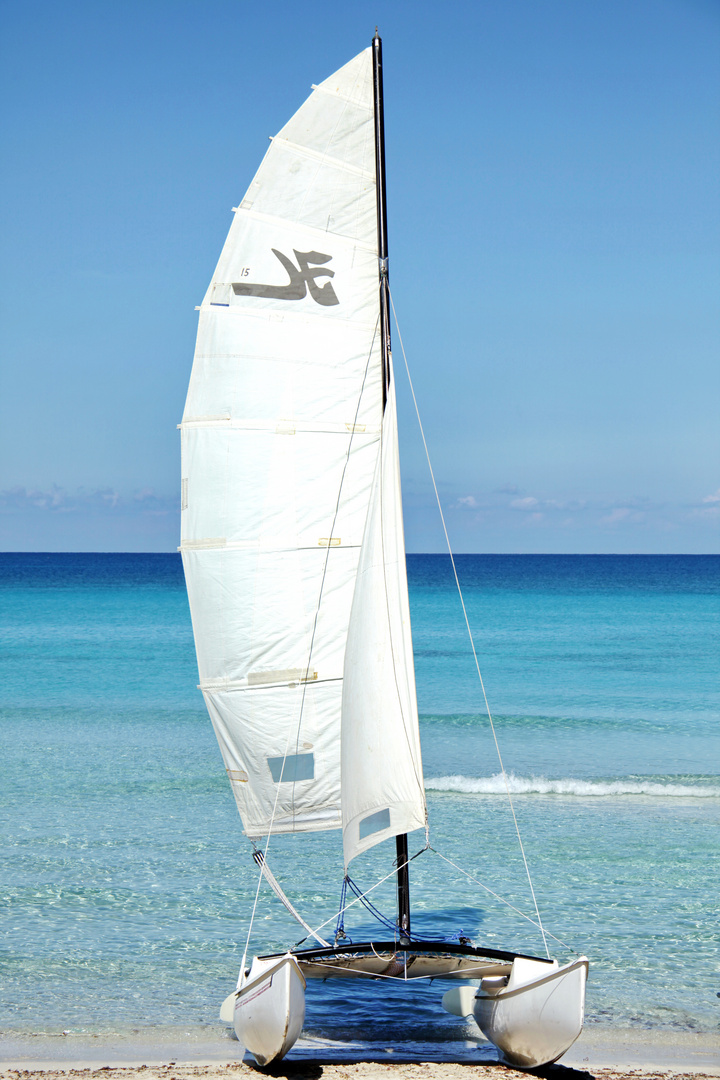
<point x="294" y="556"/>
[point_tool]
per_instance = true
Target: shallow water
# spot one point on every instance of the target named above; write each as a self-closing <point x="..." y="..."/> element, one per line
<point x="127" y="884"/>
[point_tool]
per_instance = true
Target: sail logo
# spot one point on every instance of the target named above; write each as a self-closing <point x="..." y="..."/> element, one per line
<point x="303" y="278"/>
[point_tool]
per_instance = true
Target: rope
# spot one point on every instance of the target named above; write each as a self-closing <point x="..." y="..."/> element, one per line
<point x="503" y="900"/>
<point x="392" y="924"/>
<point x="350" y="904"/>
<point x="277" y="889"/>
<point x="340" y="925"/>
<point x="467" y="624"/>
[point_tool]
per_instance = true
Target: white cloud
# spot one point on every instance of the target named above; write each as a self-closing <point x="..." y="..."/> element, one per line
<point x="525" y="504"/>
<point x="715" y="498"/>
<point x="56" y="500"/>
<point x="620" y="513"/>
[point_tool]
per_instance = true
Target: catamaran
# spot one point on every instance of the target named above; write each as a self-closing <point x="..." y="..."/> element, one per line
<point x="294" y="555"/>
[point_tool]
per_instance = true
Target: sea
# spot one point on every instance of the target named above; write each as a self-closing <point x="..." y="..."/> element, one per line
<point x="127" y="886"/>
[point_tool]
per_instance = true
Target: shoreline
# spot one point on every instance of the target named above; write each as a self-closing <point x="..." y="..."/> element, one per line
<point x="216" y="1055"/>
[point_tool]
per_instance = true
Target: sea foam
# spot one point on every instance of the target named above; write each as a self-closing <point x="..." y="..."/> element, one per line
<point x="539" y="785"/>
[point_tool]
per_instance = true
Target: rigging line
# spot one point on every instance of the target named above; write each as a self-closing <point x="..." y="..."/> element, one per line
<point x="392" y="925"/>
<point x="340" y="925"/>
<point x="467" y="624"/>
<point x="392" y="873"/>
<point x="278" y="890"/>
<point x="503" y="900"/>
<point x="312" y="640"/>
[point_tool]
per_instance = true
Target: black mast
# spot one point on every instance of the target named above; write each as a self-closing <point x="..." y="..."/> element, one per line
<point x="381" y="212"/>
<point x="403" y="877"/>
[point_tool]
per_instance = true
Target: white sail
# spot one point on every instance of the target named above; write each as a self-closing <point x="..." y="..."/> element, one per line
<point x="280" y="437"/>
<point x="382" y="782"/>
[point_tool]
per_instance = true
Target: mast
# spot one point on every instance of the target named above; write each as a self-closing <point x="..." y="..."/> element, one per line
<point x="381" y="213"/>
<point x="403" y="876"/>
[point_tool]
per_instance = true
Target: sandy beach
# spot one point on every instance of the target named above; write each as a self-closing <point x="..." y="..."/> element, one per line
<point x="600" y="1054"/>
<point x="364" y="1070"/>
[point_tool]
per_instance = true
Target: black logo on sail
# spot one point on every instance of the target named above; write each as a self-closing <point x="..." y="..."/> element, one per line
<point x="302" y="278"/>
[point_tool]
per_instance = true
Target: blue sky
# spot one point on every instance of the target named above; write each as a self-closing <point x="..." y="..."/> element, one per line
<point x="554" y="221"/>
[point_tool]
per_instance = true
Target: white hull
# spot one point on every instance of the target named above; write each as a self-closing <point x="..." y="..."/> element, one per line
<point x="270" y="1008"/>
<point x="536" y="1016"/>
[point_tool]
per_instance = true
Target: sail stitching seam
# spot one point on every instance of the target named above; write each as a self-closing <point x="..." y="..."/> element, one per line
<point x="322" y="159"/>
<point x="241" y="687"/>
<point x="210" y="544"/>
<point x="313" y="230"/>
<point x="317" y="155"/>
<point x="343" y="97"/>
<point x="302" y="427"/>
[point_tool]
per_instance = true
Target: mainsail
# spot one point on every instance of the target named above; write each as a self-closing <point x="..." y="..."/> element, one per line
<point x="281" y="437"/>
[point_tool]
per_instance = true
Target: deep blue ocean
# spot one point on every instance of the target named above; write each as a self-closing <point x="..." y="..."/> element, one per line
<point x="126" y="883"/>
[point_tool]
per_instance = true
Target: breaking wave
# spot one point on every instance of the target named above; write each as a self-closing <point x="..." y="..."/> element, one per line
<point x="538" y="785"/>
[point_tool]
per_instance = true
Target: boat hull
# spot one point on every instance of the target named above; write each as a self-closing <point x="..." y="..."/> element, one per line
<point x="270" y="1008"/>
<point x="534" y="1022"/>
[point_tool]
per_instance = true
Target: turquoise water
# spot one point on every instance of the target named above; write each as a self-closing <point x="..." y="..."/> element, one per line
<point x="126" y="884"/>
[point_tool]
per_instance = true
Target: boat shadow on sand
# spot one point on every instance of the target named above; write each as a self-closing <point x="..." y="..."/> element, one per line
<point x="306" y="1070"/>
<point x="453" y="1069"/>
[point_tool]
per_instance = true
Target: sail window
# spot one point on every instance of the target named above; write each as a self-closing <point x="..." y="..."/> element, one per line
<point x="374" y="823"/>
<point x="297" y="767"/>
<point x="221" y="295"/>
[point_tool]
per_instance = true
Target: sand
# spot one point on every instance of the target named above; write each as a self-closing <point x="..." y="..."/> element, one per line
<point x="601" y="1053"/>
<point x="633" y="1056"/>
<point x="363" y="1070"/>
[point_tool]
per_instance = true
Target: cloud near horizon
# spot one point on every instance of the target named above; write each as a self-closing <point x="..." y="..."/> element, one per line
<point x="508" y="504"/>
<point x="105" y="518"/>
<point x="58" y="500"/>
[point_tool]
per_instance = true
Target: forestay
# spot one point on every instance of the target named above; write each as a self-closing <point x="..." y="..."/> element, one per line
<point x="280" y="437"/>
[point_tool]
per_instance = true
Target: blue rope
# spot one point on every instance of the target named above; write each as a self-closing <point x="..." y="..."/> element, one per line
<point x="390" y="924"/>
<point x="340" y="934"/>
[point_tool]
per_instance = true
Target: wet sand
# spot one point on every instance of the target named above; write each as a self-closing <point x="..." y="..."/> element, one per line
<point x="599" y="1054"/>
